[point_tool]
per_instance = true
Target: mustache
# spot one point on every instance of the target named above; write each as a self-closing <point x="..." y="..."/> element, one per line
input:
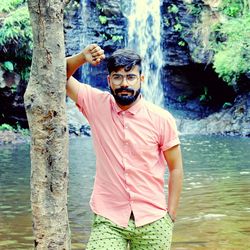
<point x="117" y="91"/>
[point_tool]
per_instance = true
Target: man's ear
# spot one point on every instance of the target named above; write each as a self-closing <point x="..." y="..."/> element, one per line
<point x="142" y="78"/>
<point x="108" y="79"/>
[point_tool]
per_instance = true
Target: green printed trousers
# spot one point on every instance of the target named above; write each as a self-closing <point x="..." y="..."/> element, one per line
<point x="106" y="235"/>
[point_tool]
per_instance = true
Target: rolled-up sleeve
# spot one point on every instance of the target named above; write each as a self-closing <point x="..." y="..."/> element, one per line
<point x="169" y="135"/>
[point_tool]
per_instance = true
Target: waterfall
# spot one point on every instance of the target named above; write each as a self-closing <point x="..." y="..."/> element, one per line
<point x="144" y="36"/>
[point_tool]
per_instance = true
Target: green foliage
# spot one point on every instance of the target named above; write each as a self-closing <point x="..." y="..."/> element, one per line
<point x="15" y="38"/>
<point x="13" y="88"/>
<point x="9" y="5"/>
<point x="181" y="43"/>
<point x="116" y="38"/>
<point x="99" y="7"/>
<point x="25" y="74"/>
<point x="6" y="127"/>
<point x="75" y="5"/>
<point x="71" y="5"/>
<point x="232" y="8"/>
<point x="182" y="98"/>
<point x="8" y="66"/>
<point x="166" y="21"/>
<point x="16" y="33"/>
<point x="178" y="27"/>
<point x="22" y="131"/>
<point x="17" y="129"/>
<point x="104" y="36"/>
<point x="173" y="9"/>
<point x="232" y="55"/>
<point x="227" y="105"/>
<point x="205" y="97"/>
<point x="194" y="8"/>
<point x="103" y="19"/>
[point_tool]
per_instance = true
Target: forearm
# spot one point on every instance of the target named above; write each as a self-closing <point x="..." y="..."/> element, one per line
<point x="74" y="62"/>
<point x="174" y="190"/>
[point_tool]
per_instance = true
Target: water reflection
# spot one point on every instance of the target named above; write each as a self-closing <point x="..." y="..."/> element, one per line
<point x="214" y="211"/>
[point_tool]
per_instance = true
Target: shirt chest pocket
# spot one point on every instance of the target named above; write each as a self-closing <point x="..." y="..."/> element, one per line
<point x="144" y="156"/>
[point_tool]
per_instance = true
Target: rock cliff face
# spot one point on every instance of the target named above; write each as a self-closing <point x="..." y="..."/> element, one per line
<point x="187" y="72"/>
<point x="12" y="89"/>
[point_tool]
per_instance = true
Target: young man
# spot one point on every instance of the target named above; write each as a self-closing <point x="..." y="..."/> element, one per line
<point x="132" y="139"/>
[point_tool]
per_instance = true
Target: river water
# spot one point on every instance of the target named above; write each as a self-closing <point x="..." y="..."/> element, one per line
<point x="214" y="211"/>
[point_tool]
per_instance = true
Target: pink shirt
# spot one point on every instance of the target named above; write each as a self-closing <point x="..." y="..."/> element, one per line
<point x="130" y="164"/>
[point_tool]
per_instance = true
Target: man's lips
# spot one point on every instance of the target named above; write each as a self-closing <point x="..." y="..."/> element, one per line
<point x="124" y="92"/>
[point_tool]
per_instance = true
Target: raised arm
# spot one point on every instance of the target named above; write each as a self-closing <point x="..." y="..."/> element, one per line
<point x="174" y="160"/>
<point x="92" y="54"/>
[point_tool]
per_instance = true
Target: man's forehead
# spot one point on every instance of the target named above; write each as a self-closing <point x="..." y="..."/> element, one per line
<point x="122" y="70"/>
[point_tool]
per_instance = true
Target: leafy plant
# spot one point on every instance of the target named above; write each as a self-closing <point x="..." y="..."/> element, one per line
<point x="99" y="7"/>
<point x="9" y="5"/>
<point x="103" y="19"/>
<point x="232" y="55"/>
<point x="178" y="27"/>
<point x="104" y="36"/>
<point x="205" y="96"/>
<point x="25" y="74"/>
<point x="181" y="43"/>
<point x="16" y="128"/>
<point x="6" y="127"/>
<point x="227" y="105"/>
<point x="232" y="8"/>
<point x="194" y="8"/>
<point x="166" y="21"/>
<point x="116" y="38"/>
<point x="22" y="131"/>
<point x="16" y="34"/>
<point x="182" y="98"/>
<point x="13" y="88"/>
<point x="173" y="9"/>
<point x="8" y="66"/>
<point x="76" y="5"/>
<point x="71" y="5"/>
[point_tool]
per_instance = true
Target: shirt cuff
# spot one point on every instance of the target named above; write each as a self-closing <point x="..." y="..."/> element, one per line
<point x="171" y="144"/>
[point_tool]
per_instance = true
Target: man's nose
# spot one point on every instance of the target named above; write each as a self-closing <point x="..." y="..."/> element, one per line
<point x="124" y="82"/>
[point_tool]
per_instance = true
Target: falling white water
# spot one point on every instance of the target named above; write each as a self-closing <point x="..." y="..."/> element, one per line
<point x="144" y="36"/>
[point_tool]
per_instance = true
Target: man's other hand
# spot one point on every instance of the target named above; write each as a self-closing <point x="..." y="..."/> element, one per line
<point x="93" y="54"/>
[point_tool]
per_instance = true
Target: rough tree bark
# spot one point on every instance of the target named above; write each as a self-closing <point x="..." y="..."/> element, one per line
<point x="46" y="112"/>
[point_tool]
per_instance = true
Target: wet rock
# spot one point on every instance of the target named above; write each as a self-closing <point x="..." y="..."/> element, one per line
<point x="11" y="137"/>
<point x="231" y="121"/>
<point x="78" y="125"/>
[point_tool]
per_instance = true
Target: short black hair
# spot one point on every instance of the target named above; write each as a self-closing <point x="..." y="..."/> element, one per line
<point x="123" y="58"/>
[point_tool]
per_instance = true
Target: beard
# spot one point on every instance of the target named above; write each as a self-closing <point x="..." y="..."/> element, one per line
<point x="125" y="100"/>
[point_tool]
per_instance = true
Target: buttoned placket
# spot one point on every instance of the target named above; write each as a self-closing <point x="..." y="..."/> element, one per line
<point x="125" y="155"/>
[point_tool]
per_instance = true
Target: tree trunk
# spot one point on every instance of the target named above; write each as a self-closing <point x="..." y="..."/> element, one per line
<point x="46" y="112"/>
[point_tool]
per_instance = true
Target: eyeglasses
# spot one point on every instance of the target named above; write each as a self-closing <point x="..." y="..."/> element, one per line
<point x="117" y="79"/>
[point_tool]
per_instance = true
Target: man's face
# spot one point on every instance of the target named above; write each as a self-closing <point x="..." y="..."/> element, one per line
<point x="125" y="86"/>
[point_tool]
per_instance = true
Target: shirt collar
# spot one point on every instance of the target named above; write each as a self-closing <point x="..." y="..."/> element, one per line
<point x="132" y="110"/>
